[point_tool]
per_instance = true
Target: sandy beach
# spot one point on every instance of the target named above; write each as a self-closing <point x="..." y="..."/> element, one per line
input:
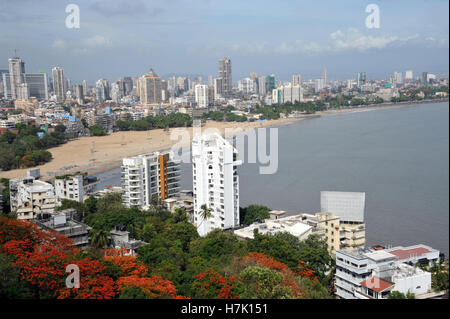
<point x="97" y="154"/>
<point x="101" y="153"/>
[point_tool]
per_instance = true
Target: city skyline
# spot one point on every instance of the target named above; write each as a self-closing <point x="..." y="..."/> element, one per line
<point x="116" y="40"/>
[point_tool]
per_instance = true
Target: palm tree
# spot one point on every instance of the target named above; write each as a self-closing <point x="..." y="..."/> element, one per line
<point x="205" y="213"/>
<point x="99" y="238"/>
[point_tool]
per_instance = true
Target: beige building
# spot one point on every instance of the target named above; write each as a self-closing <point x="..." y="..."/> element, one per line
<point x="150" y="88"/>
<point x="31" y="198"/>
<point x="353" y="235"/>
<point x="331" y="224"/>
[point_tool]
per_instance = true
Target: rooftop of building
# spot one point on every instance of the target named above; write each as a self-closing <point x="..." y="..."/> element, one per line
<point x="402" y="253"/>
<point x="376" y="284"/>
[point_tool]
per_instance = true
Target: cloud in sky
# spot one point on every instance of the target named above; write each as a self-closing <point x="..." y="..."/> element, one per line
<point x="127" y="8"/>
<point x="191" y="35"/>
<point x="348" y="40"/>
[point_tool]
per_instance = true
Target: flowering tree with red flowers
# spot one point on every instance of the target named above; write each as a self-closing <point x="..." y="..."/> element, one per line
<point x="267" y="261"/>
<point x="130" y="265"/>
<point x="211" y="284"/>
<point x="43" y="267"/>
<point x="93" y="283"/>
<point x="154" y="286"/>
<point x="305" y="272"/>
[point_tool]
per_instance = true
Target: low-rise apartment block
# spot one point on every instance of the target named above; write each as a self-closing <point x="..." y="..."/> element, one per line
<point x="373" y="273"/>
<point x="31" y="198"/>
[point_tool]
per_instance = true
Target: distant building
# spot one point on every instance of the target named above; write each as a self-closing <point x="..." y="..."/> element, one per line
<point x="79" y="93"/>
<point x="296" y="79"/>
<point x="37" y="85"/>
<point x="16" y="75"/>
<point x="150" y="88"/>
<point x="409" y="75"/>
<point x="226" y="74"/>
<point x="218" y="88"/>
<point x="149" y="176"/>
<point x="201" y="95"/>
<point x="361" y="80"/>
<point x="59" y="84"/>
<point x="215" y="182"/>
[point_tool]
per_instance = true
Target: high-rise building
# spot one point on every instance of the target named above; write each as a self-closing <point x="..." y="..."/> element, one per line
<point x="201" y="95"/>
<point x="148" y="177"/>
<point x="425" y="78"/>
<point x="318" y="85"/>
<point x="85" y="87"/>
<point x="247" y="86"/>
<point x="59" y="84"/>
<point x="150" y="88"/>
<point x="100" y="91"/>
<point x="361" y="80"/>
<point x="287" y="94"/>
<point x="37" y="85"/>
<point x="215" y="182"/>
<point x="226" y="75"/>
<point x="79" y="93"/>
<point x="408" y="75"/>
<point x="218" y="88"/>
<point x="16" y="75"/>
<point x="262" y="85"/>
<point x="210" y="81"/>
<point x="270" y="80"/>
<point x="324" y="76"/>
<point x="296" y="79"/>
<point x="398" y="78"/>
<point x="23" y="92"/>
<point x="127" y="85"/>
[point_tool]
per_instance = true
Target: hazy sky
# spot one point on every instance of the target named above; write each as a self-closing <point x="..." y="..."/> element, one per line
<point x="127" y="37"/>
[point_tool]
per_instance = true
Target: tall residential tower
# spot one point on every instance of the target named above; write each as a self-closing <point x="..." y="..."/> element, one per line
<point x="215" y="182"/>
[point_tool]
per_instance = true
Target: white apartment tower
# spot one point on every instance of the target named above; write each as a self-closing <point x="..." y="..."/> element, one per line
<point x="201" y="95"/>
<point x="215" y="182"/>
<point x="149" y="175"/>
<point x="59" y="86"/>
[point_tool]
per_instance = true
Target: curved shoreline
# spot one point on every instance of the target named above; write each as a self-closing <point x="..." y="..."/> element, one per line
<point x="102" y="153"/>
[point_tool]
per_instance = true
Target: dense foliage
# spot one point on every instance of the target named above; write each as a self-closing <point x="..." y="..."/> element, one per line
<point x="155" y="122"/>
<point x="175" y="262"/>
<point x="26" y="148"/>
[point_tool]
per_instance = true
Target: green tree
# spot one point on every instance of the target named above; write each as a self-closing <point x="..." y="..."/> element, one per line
<point x="263" y="283"/>
<point x="97" y="130"/>
<point x="99" y="238"/>
<point x="205" y="213"/>
<point x="11" y="286"/>
<point x="133" y="292"/>
<point x="394" y="294"/>
<point x="253" y="212"/>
